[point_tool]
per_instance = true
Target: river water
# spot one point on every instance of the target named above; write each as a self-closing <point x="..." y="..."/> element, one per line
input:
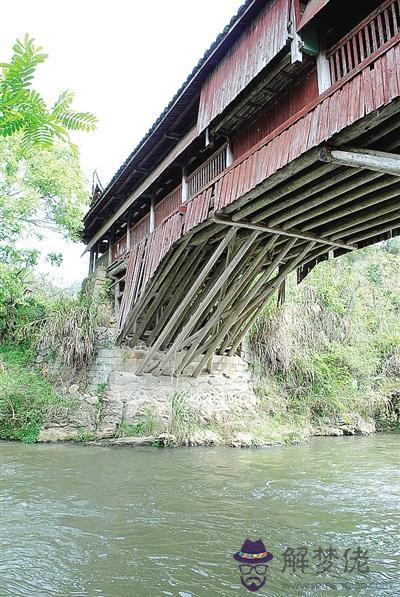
<point x="79" y="520"/>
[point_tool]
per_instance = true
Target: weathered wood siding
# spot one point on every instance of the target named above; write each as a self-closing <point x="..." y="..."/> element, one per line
<point x="168" y="205"/>
<point x="118" y="249"/>
<point x="273" y="116"/>
<point x="254" y="49"/>
<point x="140" y="230"/>
<point x="360" y="93"/>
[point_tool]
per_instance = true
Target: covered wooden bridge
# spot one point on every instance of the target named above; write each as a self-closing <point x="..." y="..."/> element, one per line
<point x="322" y="180"/>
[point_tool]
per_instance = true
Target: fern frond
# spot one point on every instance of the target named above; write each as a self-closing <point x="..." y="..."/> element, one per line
<point x="78" y="121"/>
<point x="63" y="103"/>
<point x="19" y="73"/>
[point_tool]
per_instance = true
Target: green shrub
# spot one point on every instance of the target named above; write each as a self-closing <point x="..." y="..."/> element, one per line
<point x="334" y="347"/>
<point x="25" y="397"/>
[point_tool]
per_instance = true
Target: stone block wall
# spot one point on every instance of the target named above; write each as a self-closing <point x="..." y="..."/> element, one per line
<point x="219" y="396"/>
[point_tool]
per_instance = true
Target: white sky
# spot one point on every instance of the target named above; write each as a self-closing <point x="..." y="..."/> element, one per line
<point x="124" y="60"/>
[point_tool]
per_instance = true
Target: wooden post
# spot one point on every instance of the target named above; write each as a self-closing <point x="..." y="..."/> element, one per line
<point x="323" y="69"/>
<point x="229" y="154"/>
<point x="128" y="233"/>
<point x="295" y="51"/>
<point x="110" y="242"/>
<point x="91" y="262"/>
<point x="152" y="215"/>
<point x="184" y="185"/>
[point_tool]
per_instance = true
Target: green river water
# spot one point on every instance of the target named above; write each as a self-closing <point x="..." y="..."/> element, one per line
<point x="79" y="520"/>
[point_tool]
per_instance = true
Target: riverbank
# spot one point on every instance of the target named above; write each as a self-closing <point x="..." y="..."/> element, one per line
<point x="326" y="362"/>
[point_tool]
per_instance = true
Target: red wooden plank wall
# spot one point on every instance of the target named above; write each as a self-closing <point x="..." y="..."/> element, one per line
<point x="271" y="117"/>
<point x="363" y="92"/>
<point x="140" y="230"/>
<point x="168" y="205"/>
<point x="254" y="49"/>
<point x="119" y="248"/>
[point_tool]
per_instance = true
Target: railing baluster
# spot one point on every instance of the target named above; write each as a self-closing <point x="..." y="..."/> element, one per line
<point x="201" y="177"/>
<point x="355" y="51"/>
<point x="361" y="45"/>
<point x="394" y="17"/>
<point x="350" y="61"/>
<point x="338" y="69"/>
<point x="343" y="57"/>
<point x="367" y="41"/>
<point x="374" y="37"/>
<point x="380" y="29"/>
<point x="387" y="24"/>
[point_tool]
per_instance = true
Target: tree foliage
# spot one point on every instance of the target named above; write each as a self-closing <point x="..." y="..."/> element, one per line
<point x="38" y="189"/>
<point x="22" y="108"/>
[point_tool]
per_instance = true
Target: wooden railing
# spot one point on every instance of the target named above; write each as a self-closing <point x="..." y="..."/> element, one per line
<point x="368" y="37"/>
<point x="200" y="178"/>
<point x="166" y="206"/>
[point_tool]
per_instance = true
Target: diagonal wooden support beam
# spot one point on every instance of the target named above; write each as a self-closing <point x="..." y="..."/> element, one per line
<point x="242" y="279"/>
<point x="186" y="330"/>
<point x="279" y="231"/>
<point x="369" y="159"/>
<point x="276" y="283"/>
<point x="186" y="300"/>
<point x="243" y="301"/>
<point x="154" y="284"/>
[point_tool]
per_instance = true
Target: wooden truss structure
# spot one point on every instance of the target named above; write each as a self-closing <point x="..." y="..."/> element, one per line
<point x="208" y="290"/>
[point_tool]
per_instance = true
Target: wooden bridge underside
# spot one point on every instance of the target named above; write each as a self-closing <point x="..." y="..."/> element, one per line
<point x="212" y="282"/>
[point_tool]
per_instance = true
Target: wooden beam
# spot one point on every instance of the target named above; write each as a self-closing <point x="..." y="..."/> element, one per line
<point x="239" y="276"/>
<point x="339" y="195"/>
<point x="281" y="232"/>
<point x="233" y="296"/>
<point x="369" y="159"/>
<point x="186" y="330"/>
<point x="154" y="284"/>
<point x="254" y="293"/>
<point x="186" y="300"/>
<point x="353" y="208"/>
<point x="276" y="283"/>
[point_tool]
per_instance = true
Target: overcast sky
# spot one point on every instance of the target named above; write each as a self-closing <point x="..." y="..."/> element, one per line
<point x="124" y="60"/>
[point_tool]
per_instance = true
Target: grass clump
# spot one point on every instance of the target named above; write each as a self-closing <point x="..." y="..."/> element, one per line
<point x="26" y="399"/>
<point x="148" y="424"/>
<point x="182" y="420"/>
<point x="68" y="331"/>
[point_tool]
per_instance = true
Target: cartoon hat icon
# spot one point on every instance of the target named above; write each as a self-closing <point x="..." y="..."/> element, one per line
<point x="253" y="552"/>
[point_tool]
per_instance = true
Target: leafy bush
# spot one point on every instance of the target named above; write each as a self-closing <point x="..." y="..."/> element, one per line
<point x="334" y="347"/>
<point x="26" y="399"/>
